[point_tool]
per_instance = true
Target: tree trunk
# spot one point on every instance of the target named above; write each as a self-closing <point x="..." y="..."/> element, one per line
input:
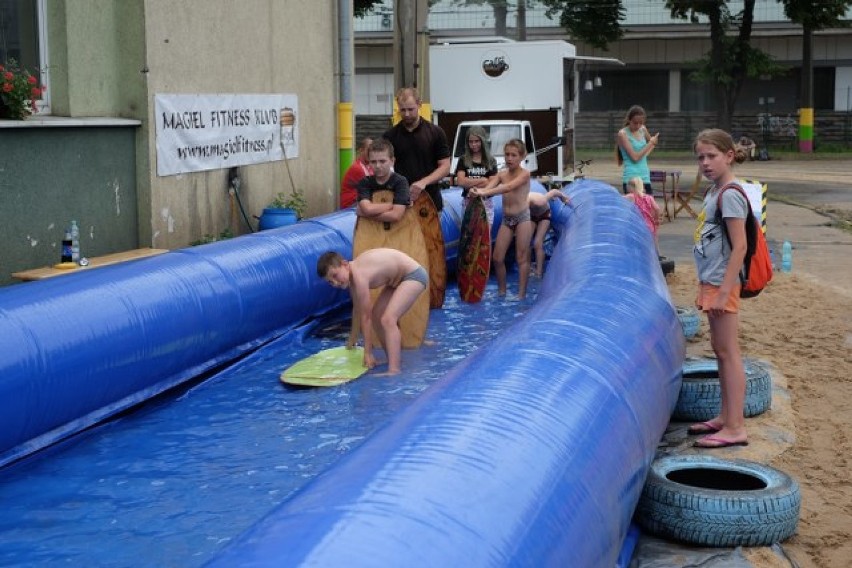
<point x="501" y="11"/>
<point x="522" y="20"/>
<point x="806" y="88"/>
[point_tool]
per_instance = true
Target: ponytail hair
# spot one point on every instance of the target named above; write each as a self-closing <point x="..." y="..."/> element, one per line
<point x="723" y="142"/>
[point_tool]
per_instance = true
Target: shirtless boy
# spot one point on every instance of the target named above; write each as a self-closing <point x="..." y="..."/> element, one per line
<point x="514" y="183"/>
<point x="540" y="214"/>
<point x="403" y="280"/>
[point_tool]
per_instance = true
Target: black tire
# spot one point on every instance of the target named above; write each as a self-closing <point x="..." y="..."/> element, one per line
<point x="690" y="321"/>
<point x="724" y="503"/>
<point x="667" y="266"/>
<point x="701" y="396"/>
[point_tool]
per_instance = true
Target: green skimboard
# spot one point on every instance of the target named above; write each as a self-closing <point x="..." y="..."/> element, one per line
<point x="328" y="368"/>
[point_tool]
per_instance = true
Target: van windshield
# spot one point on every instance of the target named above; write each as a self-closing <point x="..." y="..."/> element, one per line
<point x="498" y="135"/>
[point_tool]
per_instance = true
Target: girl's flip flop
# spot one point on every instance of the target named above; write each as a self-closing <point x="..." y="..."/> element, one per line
<point x="712" y="442"/>
<point x="703" y="428"/>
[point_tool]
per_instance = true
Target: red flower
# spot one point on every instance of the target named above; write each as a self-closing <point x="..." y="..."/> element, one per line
<point x="31" y="80"/>
<point x="36" y="92"/>
<point x="7" y="87"/>
<point x="8" y="75"/>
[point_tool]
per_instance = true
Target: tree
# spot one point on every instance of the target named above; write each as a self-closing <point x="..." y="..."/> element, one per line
<point x="812" y="15"/>
<point x="363" y="7"/>
<point x="590" y="21"/>
<point x="732" y="59"/>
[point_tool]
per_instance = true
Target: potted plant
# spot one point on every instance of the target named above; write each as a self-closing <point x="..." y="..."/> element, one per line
<point x="19" y="91"/>
<point x="284" y="210"/>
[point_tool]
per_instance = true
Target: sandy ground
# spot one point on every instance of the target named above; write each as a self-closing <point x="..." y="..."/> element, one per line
<point x="802" y="325"/>
<point x="803" y="329"/>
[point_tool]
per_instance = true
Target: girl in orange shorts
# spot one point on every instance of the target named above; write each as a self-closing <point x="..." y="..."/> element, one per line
<point x="720" y="247"/>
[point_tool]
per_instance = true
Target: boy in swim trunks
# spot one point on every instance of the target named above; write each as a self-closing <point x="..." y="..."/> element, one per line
<point x="514" y="183"/>
<point x="540" y="216"/>
<point x="403" y="280"/>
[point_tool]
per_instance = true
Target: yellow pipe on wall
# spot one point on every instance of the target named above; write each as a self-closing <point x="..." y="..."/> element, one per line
<point x="346" y="137"/>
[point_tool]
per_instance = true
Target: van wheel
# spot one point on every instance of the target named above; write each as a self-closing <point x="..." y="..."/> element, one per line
<point x="712" y="502"/>
<point x="690" y="321"/>
<point x="700" y="395"/>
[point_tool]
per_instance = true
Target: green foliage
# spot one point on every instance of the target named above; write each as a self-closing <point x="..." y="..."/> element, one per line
<point x="817" y="14"/>
<point x="363" y="7"/>
<point x="208" y="238"/>
<point x="295" y="201"/>
<point x="727" y="72"/>
<point x="590" y="21"/>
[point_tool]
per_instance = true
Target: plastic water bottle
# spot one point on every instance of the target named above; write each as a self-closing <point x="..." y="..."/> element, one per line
<point x="787" y="257"/>
<point x="66" y="246"/>
<point x="75" y="242"/>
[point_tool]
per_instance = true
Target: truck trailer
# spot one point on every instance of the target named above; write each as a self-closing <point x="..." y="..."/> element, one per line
<point x="497" y="82"/>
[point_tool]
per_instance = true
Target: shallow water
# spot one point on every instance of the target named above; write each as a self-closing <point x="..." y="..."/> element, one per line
<point x="173" y="482"/>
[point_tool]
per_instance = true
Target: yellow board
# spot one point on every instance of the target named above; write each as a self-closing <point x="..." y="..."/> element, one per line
<point x="430" y="223"/>
<point x="404" y="235"/>
<point x="328" y="368"/>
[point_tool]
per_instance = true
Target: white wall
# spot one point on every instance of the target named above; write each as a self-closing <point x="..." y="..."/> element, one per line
<point x="843" y="89"/>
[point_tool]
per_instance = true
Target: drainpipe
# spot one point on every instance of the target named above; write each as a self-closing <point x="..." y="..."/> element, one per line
<point x="345" y="116"/>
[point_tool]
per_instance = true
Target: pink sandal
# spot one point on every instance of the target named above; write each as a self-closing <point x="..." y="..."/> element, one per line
<point x="703" y="428"/>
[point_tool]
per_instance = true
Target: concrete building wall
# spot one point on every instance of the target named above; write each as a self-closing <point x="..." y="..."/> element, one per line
<point x="251" y="46"/>
<point x="95" y="153"/>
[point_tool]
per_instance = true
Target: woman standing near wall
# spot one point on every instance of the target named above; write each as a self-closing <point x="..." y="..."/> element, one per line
<point x="635" y="143"/>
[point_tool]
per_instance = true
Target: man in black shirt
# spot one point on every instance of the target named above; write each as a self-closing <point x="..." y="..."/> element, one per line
<point x="421" y="148"/>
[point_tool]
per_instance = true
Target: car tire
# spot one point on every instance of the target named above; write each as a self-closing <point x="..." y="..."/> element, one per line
<point x="708" y="501"/>
<point x="700" y="396"/>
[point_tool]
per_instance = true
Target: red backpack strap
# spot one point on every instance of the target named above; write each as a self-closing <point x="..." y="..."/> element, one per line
<point x="751" y="225"/>
<point x="739" y="188"/>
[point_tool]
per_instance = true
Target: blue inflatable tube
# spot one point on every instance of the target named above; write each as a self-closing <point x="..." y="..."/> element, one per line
<point x="533" y="451"/>
<point x="80" y="348"/>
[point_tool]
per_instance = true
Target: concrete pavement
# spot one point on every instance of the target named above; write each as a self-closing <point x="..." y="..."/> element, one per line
<point x="820" y="250"/>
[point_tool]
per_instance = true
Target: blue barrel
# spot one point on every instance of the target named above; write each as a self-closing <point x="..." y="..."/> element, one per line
<point x="273" y="218"/>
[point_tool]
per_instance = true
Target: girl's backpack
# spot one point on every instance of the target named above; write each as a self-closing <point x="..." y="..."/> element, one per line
<point x="757" y="265"/>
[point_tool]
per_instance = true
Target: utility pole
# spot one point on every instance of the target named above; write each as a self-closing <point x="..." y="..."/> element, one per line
<point x="411" y="45"/>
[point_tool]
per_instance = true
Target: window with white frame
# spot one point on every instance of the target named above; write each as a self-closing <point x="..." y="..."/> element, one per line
<point x="23" y="38"/>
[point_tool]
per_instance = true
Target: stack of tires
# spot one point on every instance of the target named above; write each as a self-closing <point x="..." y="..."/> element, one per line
<point x="701" y="395"/>
<point x="707" y="501"/>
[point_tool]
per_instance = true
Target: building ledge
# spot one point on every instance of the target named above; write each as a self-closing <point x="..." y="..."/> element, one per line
<point x="47" y="121"/>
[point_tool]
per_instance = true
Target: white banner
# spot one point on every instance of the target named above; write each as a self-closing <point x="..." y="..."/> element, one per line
<point x="208" y="132"/>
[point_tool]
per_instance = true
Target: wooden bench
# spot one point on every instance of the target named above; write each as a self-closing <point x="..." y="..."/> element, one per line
<point x="94" y="262"/>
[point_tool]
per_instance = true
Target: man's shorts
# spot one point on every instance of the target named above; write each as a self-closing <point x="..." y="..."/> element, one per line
<point x="707" y="293"/>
